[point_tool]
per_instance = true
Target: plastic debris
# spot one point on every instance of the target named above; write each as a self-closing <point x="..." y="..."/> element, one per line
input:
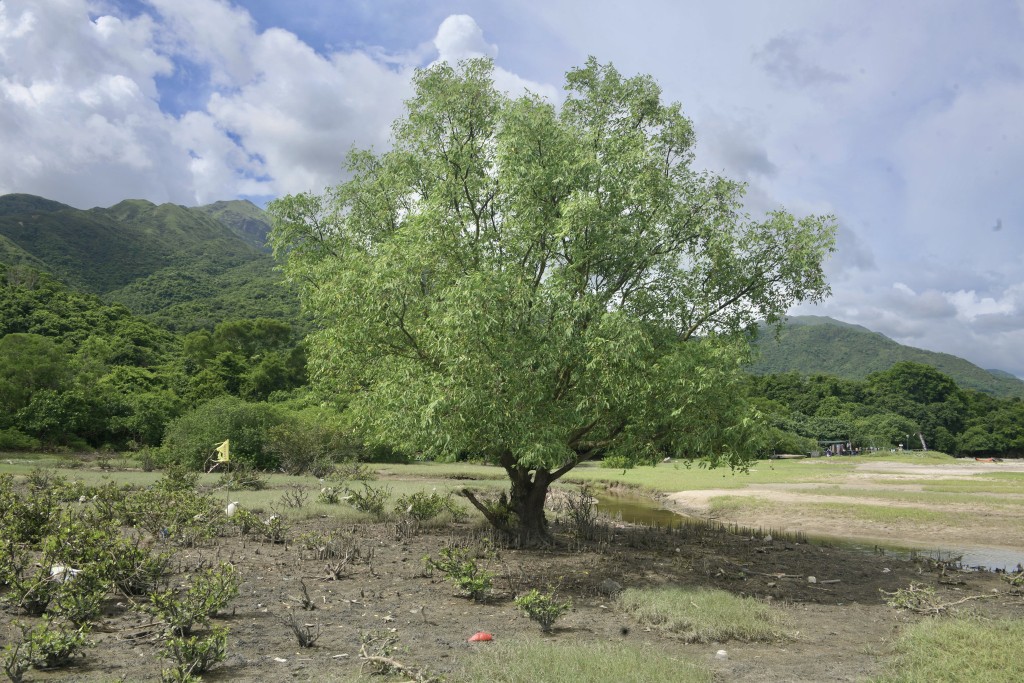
<point x="480" y="636"/>
<point x="721" y="654"/>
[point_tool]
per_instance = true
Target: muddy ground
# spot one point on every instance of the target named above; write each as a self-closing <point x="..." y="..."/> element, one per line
<point x="840" y="629"/>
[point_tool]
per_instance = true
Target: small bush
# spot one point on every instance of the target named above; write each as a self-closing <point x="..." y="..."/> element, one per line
<point x="13" y="439"/>
<point x="423" y="506"/>
<point x="189" y="440"/>
<point x="370" y="500"/>
<point x="177" y="478"/>
<point x="462" y="570"/>
<point x="47" y="645"/>
<point x="329" y="495"/>
<point x="193" y="655"/>
<point x="243" y="476"/>
<point x="543" y="608"/>
<point x="209" y="593"/>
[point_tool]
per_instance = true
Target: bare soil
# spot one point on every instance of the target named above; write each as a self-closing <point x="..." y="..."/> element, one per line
<point x="839" y="627"/>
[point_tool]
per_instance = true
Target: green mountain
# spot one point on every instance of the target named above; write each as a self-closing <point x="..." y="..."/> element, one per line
<point x="244" y="218"/>
<point x="183" y="267"/>
<point x="811" y="345"/>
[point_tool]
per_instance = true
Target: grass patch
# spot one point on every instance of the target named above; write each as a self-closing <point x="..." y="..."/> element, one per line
<point x="887" y="514"/>
<point x="732" y="506"/>
<point x="703" y="616"/>
<point x="960" y="650"/>
<point x="541" y="661"/>
<point x="929" y="497"/>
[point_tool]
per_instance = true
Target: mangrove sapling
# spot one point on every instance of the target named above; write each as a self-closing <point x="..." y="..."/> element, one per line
<point x="543" y="608"/>
<point x="209" y="593"/>
<point x="193" y="655"/>
<point x="134" y="570"/>
<point x="423" y="506"/>
<point x="79" y="599"/>
<point x="371" y="500"/>
<point x="462" y="570"/>
<point x="47" y="645"/>
<point x="329" y="495"/>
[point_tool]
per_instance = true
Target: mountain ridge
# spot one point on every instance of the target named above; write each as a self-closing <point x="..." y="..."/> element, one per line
<point x="810" y="345"/>
<point x="159" y="260"/>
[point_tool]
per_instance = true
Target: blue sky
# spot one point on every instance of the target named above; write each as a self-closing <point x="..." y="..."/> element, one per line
<point x="902" y="119"/>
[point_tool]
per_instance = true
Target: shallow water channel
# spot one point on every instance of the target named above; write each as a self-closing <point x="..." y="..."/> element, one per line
<point x="642" y="510"/>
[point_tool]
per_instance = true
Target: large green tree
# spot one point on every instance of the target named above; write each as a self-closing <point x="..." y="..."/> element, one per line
<point x="541" y="285"/>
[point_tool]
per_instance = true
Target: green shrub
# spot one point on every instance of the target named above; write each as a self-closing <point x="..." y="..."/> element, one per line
<point x="543" y="608"/>
<point x="193" y="655"/>
<point x="311" y="442"/>
<point x="177" y="477"/>
<point x="329" y="495"/>
<point x="423" y="506"/>
<point x="133" y="570"/>
<point x="371" y="500"/>
<point x="47" y="645"/>
<point x="462" y="570"/>
<point x="190" y="439"/>
<point x="12" y="439"/>
<point x="209" y="593"/>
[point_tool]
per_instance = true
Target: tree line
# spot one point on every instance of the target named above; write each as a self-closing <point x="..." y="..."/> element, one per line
<point x="906" y="405"/>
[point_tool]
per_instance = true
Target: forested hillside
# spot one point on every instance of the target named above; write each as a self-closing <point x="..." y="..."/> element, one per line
<point x="810" y="345"/>
<point x="184" y="268"/>
<point x="141" y="325"/>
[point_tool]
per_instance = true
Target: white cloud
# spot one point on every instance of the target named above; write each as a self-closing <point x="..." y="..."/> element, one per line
<point x="459" y="37"/>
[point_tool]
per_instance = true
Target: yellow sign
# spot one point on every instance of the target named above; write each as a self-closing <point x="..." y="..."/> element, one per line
<point x="223" y="451"/>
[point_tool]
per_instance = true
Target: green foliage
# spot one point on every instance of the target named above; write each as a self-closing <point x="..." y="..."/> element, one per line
<point x="329" y="495"/>
<point x="47" y="645"/>
<point x="12" y="439"/>
<point x="311" y="440"/>
<point x="372" y="500"/>
<point x="177" y="478"/>
<point x="191" y="439"/>
<point x="193" y="655"/>
<point x="542" y="285"/>
<point x="460" y="568"/>
<point x="543" y="608"/>
<point x="210" y="592"/>
<point x="811" y="345"/>
<point x="423" y="506"/>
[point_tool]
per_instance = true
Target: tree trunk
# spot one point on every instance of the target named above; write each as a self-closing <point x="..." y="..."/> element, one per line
<point x="526" y="502"/>
<point x="521" y="513"/>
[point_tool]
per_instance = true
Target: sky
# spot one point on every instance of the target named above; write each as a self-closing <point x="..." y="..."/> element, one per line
<point x="904" y="120"/>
